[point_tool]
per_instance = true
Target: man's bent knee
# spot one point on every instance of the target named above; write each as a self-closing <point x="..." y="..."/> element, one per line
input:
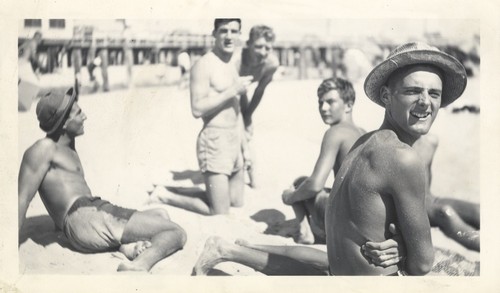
<point x="237" y="201"/>
<point x="297" y="182"/>
<point x="162" y="213"/>
<point x="446" y="213"/>
<point x="181" y="236"/>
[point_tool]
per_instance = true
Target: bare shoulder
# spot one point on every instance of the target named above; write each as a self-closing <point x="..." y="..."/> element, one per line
<point x="43" y="149"/>
<point x="343" y="131"/>
<point x="204" y="62"/>
<point x="389" y="153"/>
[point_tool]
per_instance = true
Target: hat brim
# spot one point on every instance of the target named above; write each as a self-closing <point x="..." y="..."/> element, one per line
<point x="454" y="77"/>
<point x="71" y="94"/>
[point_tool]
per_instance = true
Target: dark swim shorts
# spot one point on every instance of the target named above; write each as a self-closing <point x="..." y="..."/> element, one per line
<point x="95" y="225"/>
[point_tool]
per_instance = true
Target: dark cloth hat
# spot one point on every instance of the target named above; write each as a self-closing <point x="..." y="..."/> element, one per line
<point x="53" y="109"/>
<point x="454" y="76"/>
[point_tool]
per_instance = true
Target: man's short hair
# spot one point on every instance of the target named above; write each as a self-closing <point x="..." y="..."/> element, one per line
<point x="220" y="21"/>
<point x="261" y="31"/>
<point x="344" y="87"/>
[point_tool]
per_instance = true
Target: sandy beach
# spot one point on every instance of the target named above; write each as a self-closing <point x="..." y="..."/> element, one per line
<point x="146" y="135"/>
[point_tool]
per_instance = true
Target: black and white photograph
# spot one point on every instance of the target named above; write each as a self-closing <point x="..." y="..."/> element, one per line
<point x="206" y="147"/>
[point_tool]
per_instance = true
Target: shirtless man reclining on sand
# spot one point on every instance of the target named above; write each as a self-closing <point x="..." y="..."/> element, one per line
<point x="52" y="167"/>
<point x="308" y="196"/>
<point x="382" y="180"/>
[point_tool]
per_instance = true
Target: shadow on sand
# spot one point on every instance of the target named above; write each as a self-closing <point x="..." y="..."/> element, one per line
<point x="194" y="175"/>
<point x="42" y="230"/>
<point x="276" y="222"/>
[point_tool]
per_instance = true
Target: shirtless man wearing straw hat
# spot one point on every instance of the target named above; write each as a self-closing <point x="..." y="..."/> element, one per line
<point x="52" y="167"/>
<point x="382" y="180"/>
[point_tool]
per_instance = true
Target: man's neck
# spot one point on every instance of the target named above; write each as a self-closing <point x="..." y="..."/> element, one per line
<point x="223" y="56"/>
<point x="66" y="141"/>
<point x="403" y="136"/>
<point x="347" y="120"/>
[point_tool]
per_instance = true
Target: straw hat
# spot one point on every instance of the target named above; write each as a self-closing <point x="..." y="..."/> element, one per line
<point x="52" y="109"/>
<point x="454" y="77"/>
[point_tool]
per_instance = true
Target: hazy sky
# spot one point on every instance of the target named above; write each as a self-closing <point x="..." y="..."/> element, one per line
<point x="327" y="29"/>
<point x="330" y="30"/>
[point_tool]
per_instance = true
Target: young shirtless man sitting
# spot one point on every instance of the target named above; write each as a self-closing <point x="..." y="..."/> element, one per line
<point x="52" y="167"/>
<point x="381" y="180"/>
<point x="336" y="98"/>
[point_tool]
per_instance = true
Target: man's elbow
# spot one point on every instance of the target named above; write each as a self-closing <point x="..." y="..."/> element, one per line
<point x="421" y="267"/>
<point x="314" y="185"/>
<point x="196" y="113"/>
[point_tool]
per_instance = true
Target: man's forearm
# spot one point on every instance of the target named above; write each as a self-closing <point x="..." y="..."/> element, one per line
<point x="210" y="104"/>
<point x="256" y="98"/>
<point x="305" y="191"/>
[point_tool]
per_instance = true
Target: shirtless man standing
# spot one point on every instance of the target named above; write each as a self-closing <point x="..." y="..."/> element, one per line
<point x="336" y="98"/>
<point x="258" y="61"/>
<point x="52" y="167"/>
<point x="215" y="92"/>
<point x="381" y="180"/>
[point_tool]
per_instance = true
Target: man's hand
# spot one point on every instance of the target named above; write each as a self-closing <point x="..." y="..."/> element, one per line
<point x="242" y="84"/>
<point x="387" y="253"/>
<point x="287" y="196"/>
<point x="247" y="120"/>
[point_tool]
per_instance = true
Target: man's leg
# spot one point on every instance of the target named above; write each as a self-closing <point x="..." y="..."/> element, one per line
<point x="195" y="204"/>
<point x="217" y="195"/>
<point x="307" y="255"/>
<point x="236" y="188"/>
<point x="302" y="210"/>
<point x="217" y="186"/>
<point x="217" y="250"/>
<point x="446" y="218"/>
<point x="154" y="226"/>
<point x="468" y="211"/>
<point x="305" y="234"/>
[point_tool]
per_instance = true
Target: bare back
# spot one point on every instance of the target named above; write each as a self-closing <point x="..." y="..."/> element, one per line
<point x="362" y="203"/>
<point x="347" y="134"/>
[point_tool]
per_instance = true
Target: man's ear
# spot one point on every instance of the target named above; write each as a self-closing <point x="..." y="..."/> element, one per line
<point x="65" y="125"/>
<point x="385" y="95"/>
<point x="348" y="107"/>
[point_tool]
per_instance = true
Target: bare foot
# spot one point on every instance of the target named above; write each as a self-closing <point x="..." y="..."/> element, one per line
<point x="304" y="235"/>
<point x="160" y="194"/>
<point x="242" y="242"/>
<point x="209" y="257"/>
<point x="133" y="250"/>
